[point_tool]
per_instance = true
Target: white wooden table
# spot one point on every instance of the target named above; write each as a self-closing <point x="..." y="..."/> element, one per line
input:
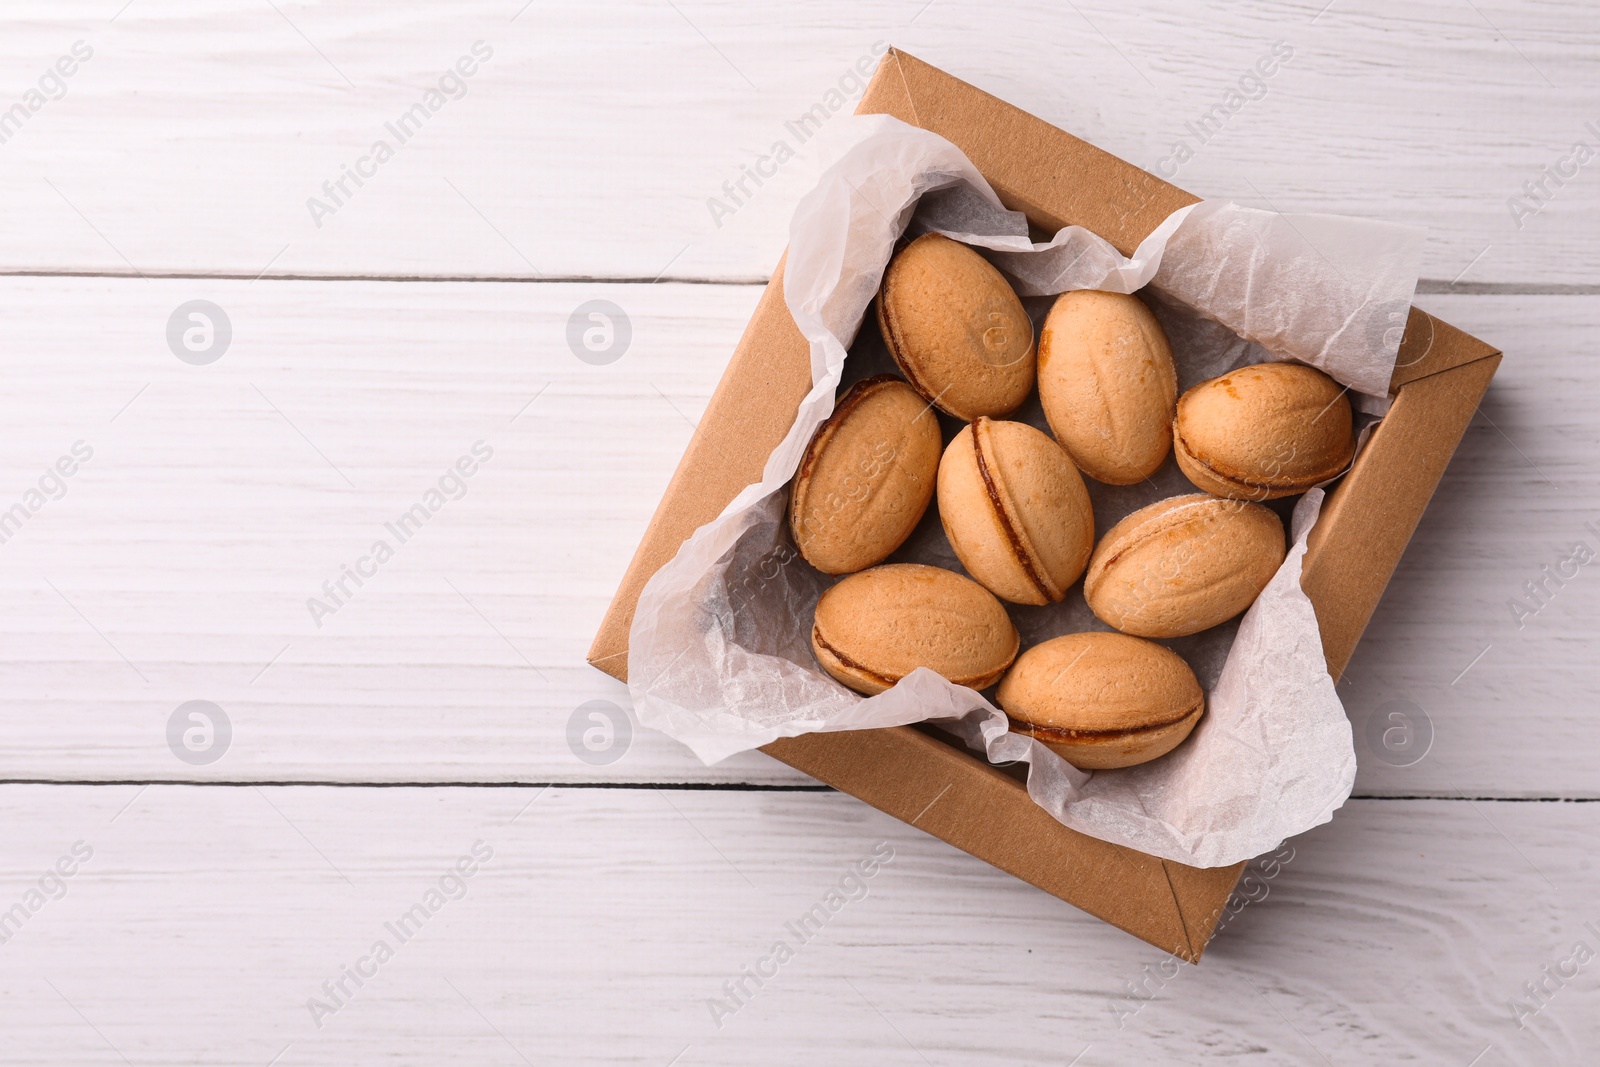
<point x="227" y="911"/>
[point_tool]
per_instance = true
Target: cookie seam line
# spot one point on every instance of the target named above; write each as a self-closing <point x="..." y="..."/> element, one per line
<point x="1045" y="733"/>
<point x="1282" y="490"/>
<point x="1018" y="546"/>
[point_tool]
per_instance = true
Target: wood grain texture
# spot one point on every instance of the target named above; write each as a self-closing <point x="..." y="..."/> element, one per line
<point x="605" y="920"/>
<point x="1516" y="498"/>
<point x="194" y="538"/>
<point x="591" y="141"/>
<point x="218" y="499"/>
<point x="181" y="560"/>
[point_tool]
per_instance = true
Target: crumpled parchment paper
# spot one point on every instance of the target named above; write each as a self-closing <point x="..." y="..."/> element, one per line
<point x="719" y="652"/>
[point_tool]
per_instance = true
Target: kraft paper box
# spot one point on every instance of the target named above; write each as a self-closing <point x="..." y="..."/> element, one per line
<point x="1056" y="180"/>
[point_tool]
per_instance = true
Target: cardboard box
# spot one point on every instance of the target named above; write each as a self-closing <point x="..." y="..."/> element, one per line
<point x="1057" y="180"/>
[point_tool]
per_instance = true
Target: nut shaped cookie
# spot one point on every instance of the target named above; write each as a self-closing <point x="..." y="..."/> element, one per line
<point x="1102" y="700"/>
<point x="866" y="477"/>
<point x="956" y="329"/>
<point x="1016" y="510"/>
<point x="1265" y="431"/>
<point x="1183" y="565"/>
<point x="875" y="627"/>
<point x="1108" y="384"/>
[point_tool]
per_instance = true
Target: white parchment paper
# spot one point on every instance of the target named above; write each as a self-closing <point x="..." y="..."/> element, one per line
<point x="719" y="652"/>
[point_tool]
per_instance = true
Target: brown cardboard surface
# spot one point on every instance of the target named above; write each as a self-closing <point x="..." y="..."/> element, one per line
<point x="1432" y="345"/>
<point x="1369" y="517"/>
<point x="979" y="809"/>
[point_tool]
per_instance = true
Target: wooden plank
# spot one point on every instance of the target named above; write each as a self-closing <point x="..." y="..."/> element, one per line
<point x="592" y="142"/>
<point x="603" y="921"/>
<point x="175" y="562"/>
<point x="1445" y="649"/>
<point x="194" y="537"/>
<point x="220" y="498"/>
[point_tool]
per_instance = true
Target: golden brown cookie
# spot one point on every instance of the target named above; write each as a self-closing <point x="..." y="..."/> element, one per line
<point x="1268" y="430"/>
<point x="1015" y="510"/>
<point x="866" y="477"/>
<point x="876" y="627"/>
<point x="1183" y="565"/>
<point x="1102" y="700"/>
<point x="1108" y="384"/>
<point x="956" y="328"/>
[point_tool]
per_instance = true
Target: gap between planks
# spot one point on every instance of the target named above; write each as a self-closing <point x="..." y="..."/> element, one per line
<point x="1425" y="286"/>
<point x="698" y="787"/>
